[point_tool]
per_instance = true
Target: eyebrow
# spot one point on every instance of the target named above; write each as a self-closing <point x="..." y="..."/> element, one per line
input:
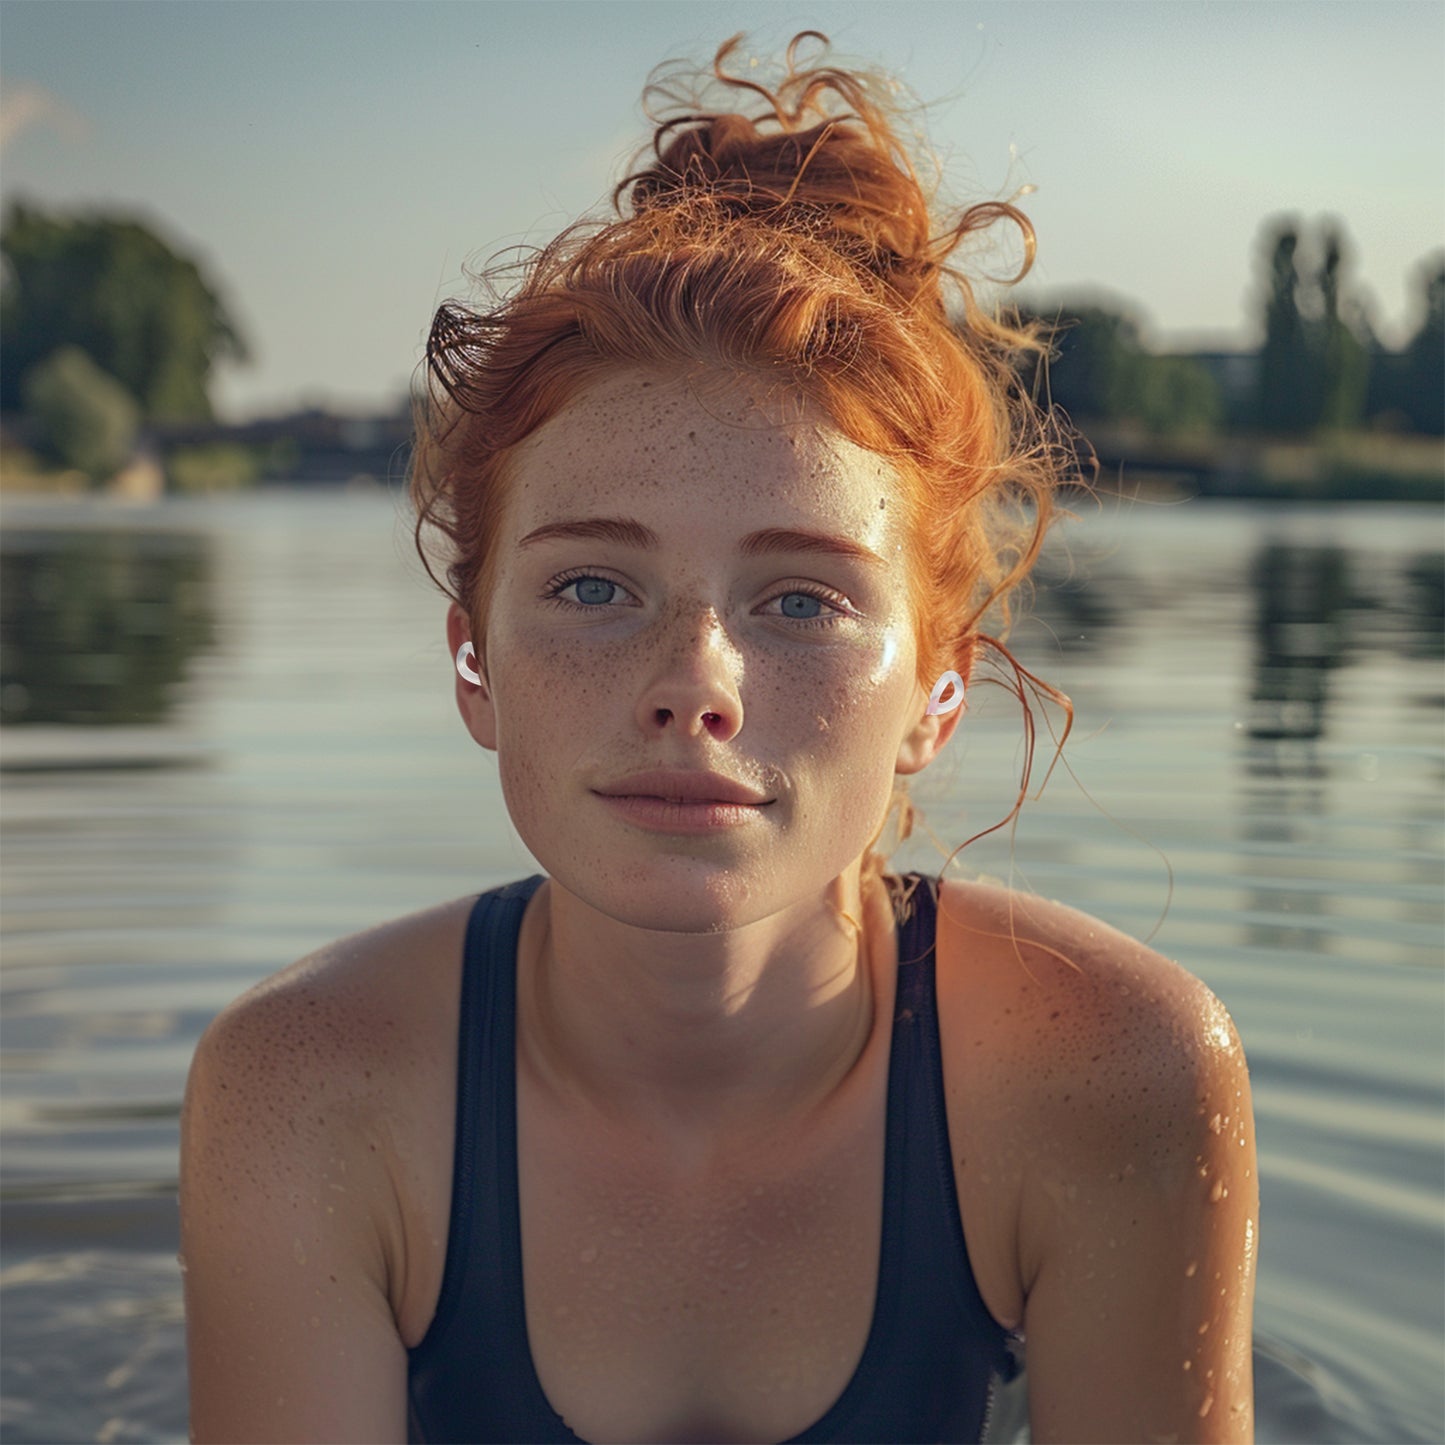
<point x="626" y="532"/>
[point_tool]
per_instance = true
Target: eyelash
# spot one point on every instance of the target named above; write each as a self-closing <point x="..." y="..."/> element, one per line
<point x="560" y="584"/>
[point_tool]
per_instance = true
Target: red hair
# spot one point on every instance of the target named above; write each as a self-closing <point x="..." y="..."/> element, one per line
<point x="796" y="246"/>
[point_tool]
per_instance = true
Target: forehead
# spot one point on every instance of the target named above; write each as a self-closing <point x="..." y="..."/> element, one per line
<point x="718" y="455"/>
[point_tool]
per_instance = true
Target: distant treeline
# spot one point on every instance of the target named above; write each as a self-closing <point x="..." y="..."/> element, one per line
<point x="1321" y="367"/>
<point x="111" y="334"/>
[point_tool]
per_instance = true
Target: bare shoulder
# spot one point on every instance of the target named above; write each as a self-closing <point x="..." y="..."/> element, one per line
<point x="306" y="1183"/>
<point x="352" y="1007"/>
<point x="1077" y="1004"/>
<point x="321" y="1070"/>
<point x="1073" y="1052"/>
<point x="1093" y="1086"/>
<point x="343" y="1025"/>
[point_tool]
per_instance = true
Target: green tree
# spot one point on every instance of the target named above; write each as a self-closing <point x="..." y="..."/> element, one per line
<point x="1176" y="396"/>
<point x="1423" y="380"/>
<point x="1096" y="353"/>
<point x="1285" y="365"/>
<point x="1314" y="363"/>
<point x="144" y="313"/>
<point x="1101" y="372"/>
<point x="79" y="416"/>
<point x="1342" y="365"/>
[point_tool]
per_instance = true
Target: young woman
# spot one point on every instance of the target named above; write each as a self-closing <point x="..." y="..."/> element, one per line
<point x="717" y="1131"/>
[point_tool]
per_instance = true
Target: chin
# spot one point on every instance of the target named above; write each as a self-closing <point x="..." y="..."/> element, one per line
<point x="674" y="893"/>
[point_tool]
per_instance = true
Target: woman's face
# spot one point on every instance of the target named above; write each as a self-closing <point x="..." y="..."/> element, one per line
<point x="788" y="670"/>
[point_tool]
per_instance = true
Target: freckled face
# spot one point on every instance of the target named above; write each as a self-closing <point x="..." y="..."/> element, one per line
<point x="789" y="671"/>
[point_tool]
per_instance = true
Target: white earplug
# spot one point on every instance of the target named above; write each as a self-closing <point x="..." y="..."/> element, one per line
<point x="467" y="657"/>
<point x="934" y="705"/>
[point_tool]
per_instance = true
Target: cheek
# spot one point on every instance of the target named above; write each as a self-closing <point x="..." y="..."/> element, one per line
<point x="544" y="703"/>
<point x="853" y="716"/>
<point x="867" y="686"/>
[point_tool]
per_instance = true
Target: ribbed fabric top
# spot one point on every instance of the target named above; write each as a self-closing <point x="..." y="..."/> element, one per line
<point x="934" y="1353"/>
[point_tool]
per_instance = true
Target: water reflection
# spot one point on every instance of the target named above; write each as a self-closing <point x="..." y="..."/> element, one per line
<point x="97" y="626"/>
<point x="1424" y="607"/>
<point x="1302" y="595"/>
<point x="1318" y="611"/>
<point x="1081" y="603"/>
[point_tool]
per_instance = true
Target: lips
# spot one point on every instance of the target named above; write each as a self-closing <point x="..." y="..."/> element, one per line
<point x="677" y="785"/>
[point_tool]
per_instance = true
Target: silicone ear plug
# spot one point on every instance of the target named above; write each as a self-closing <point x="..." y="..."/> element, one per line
<point x="934" y="705"/>
<point x="467" y="658"/>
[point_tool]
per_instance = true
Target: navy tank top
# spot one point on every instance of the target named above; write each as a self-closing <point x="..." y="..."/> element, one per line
<point x="934" y="1354"/>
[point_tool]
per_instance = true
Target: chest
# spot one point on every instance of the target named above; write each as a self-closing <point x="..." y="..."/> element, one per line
<point x="734" y="1304"/>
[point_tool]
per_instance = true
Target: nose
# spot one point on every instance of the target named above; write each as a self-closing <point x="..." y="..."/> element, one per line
<point x="695" y="689"/>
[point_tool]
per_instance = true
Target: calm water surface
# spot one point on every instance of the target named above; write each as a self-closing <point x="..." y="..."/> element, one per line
<point x="230" y="738"/>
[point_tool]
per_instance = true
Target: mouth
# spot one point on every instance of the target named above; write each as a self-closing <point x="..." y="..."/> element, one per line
<point x="660" y="813"/>
<point x="683" y="786"/>
<point x="698" y="802"/>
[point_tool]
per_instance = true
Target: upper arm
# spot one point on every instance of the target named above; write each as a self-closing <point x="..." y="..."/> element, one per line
<point x="285" y="1238"/>
<point x="1140" y="1220"/>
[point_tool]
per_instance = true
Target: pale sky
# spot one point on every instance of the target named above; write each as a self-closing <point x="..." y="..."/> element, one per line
<point x="336" y="163"/>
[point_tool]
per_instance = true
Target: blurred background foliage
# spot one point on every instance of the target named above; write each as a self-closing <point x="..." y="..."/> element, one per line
<point x="1320" y="367"/>
<point x="112" y="338"/>
<point x="109" y="285"/>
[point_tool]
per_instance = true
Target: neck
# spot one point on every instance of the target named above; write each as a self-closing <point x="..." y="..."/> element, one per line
<point x="697" y="1037"/>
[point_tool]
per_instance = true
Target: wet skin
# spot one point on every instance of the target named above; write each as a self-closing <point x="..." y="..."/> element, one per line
<point x="790" y="671"/>
<point x="702" y="1046"/>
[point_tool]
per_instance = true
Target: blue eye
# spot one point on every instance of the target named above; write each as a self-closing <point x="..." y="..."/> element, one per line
<point x="828" y="608"/>
<point x="590" y="589"/>
<point x="807" y="599"/>
<point x="593" y="593"/>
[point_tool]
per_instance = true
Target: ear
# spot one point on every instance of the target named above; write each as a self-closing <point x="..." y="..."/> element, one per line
<point x="926" y="738"/>
<point x="474" y="700"/>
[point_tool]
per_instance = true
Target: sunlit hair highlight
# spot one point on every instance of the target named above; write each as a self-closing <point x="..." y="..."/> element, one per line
<point x="794" y="247"/>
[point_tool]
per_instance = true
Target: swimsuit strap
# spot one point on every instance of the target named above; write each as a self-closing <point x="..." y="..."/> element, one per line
<point x="933" y="1351"/>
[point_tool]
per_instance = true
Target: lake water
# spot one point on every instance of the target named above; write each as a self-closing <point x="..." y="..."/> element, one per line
<point x="231" y="738"/>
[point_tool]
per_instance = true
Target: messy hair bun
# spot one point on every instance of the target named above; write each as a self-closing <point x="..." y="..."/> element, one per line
<point x="822" y="160"/>
<point x="844" y="183"/>
<point x="795" y="244"/>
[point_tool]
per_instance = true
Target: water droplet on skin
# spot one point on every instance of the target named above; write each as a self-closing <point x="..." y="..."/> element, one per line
<point x="1204" y="1328"/>
<point x="1218" y="1192"/>
<point x="1208" y="1405"/>
<point x="1189" y="1364"/>
<point x="1216" y="1124"/>
<point x="1191" y="1268"/>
